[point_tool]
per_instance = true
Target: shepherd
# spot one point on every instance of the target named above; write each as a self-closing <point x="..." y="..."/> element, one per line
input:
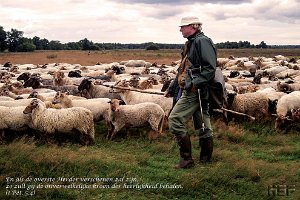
<point x="196" y="70"/>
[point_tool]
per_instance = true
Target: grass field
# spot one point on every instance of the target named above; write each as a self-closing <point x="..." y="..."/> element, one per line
<point x="251" y="160"/>
<point x="161" y="56"/>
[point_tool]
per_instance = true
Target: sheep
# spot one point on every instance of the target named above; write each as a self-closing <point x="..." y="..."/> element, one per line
<point x="96" y="91"/>
<point x="72" y="89"/>
<point x="135" y="63"/>
<point x="284" y="106"/>
<point x="291" y="73"/>
<point x="132" y="97"/>
<point x="254" y="104"/>
<point x="49" y="120"/>
<point x="287" y="88"/>
<point x="46" y="100"/>
<point x="6" y="98"/>
<point x="98" y="106"/>
<point x="59" y="79"/>
<point x="134" y="81"/>
<point x="12" y="118"/>
<point x="295" y="115"/>
<point x="135" y="116"/>
<point x="15" y="103"/>
<point x="109" y="76"/>
<point x="146" y="84"/>
<point x="273" y="97"/>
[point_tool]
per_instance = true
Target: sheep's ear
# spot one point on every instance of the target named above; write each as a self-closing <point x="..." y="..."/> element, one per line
<point x="121" y="102"/>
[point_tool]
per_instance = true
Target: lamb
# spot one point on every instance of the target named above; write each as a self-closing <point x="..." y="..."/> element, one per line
<point x="284" y="106"/>
<point x="96" y="91"/>
<point x="65" y="120"/>
<point x="135" y="116"/>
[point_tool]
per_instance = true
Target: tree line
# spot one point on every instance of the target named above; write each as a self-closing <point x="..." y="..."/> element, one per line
<point x="14" y="41"/>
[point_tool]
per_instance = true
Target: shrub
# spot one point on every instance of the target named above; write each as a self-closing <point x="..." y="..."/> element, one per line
<point x="26" y="47"/>
<point x="152" y="47"/>
<point x="52" y="56"/>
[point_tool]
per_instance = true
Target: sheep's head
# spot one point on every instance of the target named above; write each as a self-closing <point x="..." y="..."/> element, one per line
<point x="60" y="97"/>
<point x="283" y="87"/>
<point x="295" y="115"/>
<point x="24" y="76"/>
<point x="122" y="83"/>
<point x="33" y="94"/>
<point x="281" y="121"/>
<point x="85" y="85"/>
<point x="166" y="85"/>
<point x="114" y="104"/>
<point x="110" y="73"/>
<point x="58" y="75"/>
<point x="34" y="82"/>
<point x="33" y="104"/>
<point x="134" y="81"/>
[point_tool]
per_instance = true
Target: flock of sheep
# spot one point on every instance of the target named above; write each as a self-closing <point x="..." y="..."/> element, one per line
<point x="70" y="98"/>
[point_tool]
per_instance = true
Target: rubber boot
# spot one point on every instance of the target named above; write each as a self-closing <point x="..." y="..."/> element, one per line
<point x="185" y="149"/>
<point x="206" y="149"/>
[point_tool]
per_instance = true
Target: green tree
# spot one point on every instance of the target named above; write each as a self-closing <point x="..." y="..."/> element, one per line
<point x="13" y="39"/>
<point x="85" y="44"/>
<point x="262" y="45"/>
<point x="3" y="43"/>
<point x="73" y="46"/>
<point x="55" y="45"/>
<point x="38" y="43"/>
<point x="26" y="47"/>
<point x="152" y="47"/>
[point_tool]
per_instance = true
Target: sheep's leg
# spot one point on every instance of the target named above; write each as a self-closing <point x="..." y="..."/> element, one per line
<point x="116" y="129"/>
<point x="154" y="123"/>
<point x="2" y="136"/>
<point x="47" y="138"/>
<point x="110" y="129"/>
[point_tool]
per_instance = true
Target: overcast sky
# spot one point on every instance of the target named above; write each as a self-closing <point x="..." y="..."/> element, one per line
<point x="139" y="21"/>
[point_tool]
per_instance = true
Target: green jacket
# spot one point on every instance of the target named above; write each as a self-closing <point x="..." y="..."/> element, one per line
<point x="202" y="53"/>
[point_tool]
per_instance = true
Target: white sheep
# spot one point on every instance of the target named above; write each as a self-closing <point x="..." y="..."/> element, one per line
<point x="132" y="97"/>
<point x="13" y="118"/>
<point x="135" y="116"/>
<point x="285" y="104"/>
<point x="15" y="103"/>
<point x="98" y="106"/>
<point x="96" y="91"/>
<point x="254" y="104"/>
<point x="50" y="120"/>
